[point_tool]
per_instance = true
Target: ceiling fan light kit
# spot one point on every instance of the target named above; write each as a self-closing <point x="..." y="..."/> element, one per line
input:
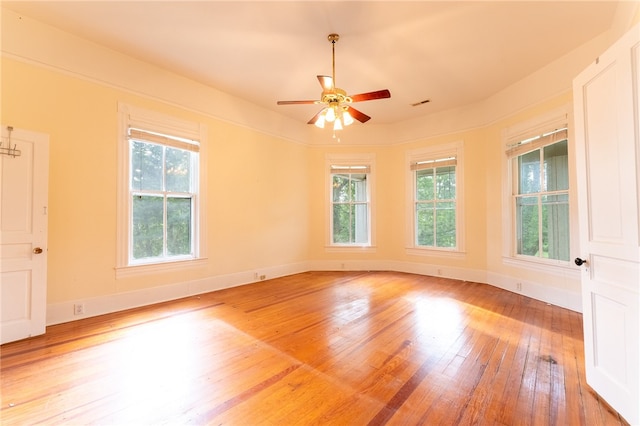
<point x="337" y="104"/>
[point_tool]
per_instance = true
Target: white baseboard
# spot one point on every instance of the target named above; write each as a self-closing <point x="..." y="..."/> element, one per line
<point x="58" y="313"/>
<point x="463" y="274"/>
<point x="556" y="296"/>
<point x="536" y="290"/>
<point x="64" y="312"/>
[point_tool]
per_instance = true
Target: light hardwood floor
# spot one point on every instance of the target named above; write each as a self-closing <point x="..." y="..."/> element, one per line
<point x="330" y="348"/>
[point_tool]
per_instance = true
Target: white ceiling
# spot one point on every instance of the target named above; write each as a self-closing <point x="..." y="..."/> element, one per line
<point x="451" y="52"/>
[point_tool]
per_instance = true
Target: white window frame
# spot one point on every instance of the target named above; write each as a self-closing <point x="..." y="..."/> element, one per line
<point x="511" y="136"/>
<point x="138" y="118"/>
<point x="437" y="152"/>
<point x="350" y="160"/>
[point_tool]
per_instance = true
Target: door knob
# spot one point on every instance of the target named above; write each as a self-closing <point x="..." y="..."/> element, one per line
<point x="37" y="250"/>
<point x="579" y="261"/>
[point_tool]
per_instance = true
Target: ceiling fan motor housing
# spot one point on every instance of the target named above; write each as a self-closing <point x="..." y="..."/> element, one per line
<point x="336" y="95"/>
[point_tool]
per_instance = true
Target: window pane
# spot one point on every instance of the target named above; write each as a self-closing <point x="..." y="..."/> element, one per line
<point x="555" y="226"/>
<point x="358" y="187"/>
<point x="556" y="160"/>
<point x="424" y="224"/>
<point x="146" y="166"/>
<point x="178" y="226"/>
<point x="340" y="188"/>
<point x="341" y="223"/>
<point x="527" y="224"/>
<point x="177" y="168"/>
<point x="350" y="209"/>
<point x="360" y="230"/>
<point x="445" y="225"/>
<point x="424" y="185"/>
<point x="529" y="167"/>
<point x="446" y="183"/>
<point x="147" y="226"/>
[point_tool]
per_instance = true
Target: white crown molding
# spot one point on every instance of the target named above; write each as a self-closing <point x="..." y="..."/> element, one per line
<point x="31" y="41"/>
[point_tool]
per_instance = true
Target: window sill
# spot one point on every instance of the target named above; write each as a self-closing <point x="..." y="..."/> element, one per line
<point x="448" y="254"/>
<point x="350" y="249"/>
<point x="557" y="267"/>
<point x="156" y="268"/>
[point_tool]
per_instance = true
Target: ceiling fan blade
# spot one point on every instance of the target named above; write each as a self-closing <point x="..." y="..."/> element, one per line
<point x="315" y="117"/>
<point x="326" y="82"/>
<point x="296" y="102"/>
<point x="360" y="116"/>
<point x="379" y="94"/>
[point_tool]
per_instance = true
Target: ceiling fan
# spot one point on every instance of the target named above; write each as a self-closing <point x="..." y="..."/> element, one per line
<point x="337" y="104"/>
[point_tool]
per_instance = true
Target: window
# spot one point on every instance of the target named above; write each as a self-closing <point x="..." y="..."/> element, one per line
<point x="162" y="190"/>
<point x="540" y="195"/>
<point x="160" y="208"/>
<point x="436" y="212"/>
<point x="350" y="207"/>
<point x="435" y="203"/>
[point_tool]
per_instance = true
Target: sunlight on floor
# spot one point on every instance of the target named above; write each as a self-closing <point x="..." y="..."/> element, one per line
<point x="157" y="367"/>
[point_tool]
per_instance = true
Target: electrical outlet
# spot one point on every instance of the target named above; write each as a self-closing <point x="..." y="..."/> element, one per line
<point x="78" y="309"/>
<point x="519" y="286"/>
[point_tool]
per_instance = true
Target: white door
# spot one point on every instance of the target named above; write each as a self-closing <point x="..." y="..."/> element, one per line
<point x="23" y="233"/>
<point x="606" y="111"/>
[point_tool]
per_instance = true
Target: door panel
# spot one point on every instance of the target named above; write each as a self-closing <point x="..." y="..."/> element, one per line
<point x="23" y="235"/>
<point x="604" y="188"/>
<point x="611" y="363"/>
<point x="16" y="291"/>
<point x="607" y="145"/>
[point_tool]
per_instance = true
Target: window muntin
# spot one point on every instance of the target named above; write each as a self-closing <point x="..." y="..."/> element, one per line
<point x="435" y="208"/>
<point x="541" y="196"/>
<point x="162" y="193"/>
<point x="350" y="205"/>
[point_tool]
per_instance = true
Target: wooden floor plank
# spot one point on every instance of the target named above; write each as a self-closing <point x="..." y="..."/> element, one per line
<point x="326" y="348"/>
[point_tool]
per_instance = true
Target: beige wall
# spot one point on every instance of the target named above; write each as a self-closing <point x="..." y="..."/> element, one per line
<point x="483" y="204"/>
<point x="391" y="203"/>
<point x="266" y="196"/>
<point x="256" y="190"/>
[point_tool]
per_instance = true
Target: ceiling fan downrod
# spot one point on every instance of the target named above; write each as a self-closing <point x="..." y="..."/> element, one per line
<point x="333" y="38"/>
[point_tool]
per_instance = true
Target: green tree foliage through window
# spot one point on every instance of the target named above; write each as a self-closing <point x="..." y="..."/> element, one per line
<point x="435" y="206"/>
<point x="147" y="226"/>
<point x="162" y="200"/>
<point x="350" y="208"/>
<point x="542" y="202"/>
